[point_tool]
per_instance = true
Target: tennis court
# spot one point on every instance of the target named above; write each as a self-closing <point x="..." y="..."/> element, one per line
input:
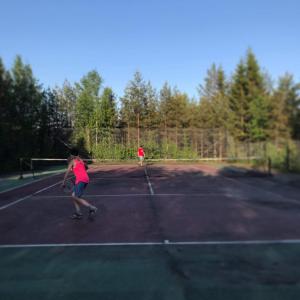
<point x="177" y="231"/>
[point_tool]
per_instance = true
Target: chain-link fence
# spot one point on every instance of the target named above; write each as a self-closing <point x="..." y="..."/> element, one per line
<point x="171" y="143"/>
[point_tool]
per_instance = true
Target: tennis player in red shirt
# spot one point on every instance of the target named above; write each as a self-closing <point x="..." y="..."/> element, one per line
<point x="141" y="155"/>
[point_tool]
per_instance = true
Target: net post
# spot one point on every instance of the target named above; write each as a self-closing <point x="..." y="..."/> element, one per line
<point x="21" y="167"/>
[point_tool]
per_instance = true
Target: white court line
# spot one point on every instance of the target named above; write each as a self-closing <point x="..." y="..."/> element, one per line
<point x="116" y="177"/>
<point x="31" y="195"/>
<point x="138" y="195"/>
<point x="166" y="243"/>
<point x="31" y="182"/>
<point x="148" y="181"/>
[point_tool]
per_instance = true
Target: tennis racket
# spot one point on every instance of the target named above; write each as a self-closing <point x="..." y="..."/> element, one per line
<point x="68" y="186"/>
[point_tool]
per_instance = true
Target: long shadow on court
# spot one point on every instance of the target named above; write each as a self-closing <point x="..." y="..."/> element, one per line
<point x="204" y="204"/>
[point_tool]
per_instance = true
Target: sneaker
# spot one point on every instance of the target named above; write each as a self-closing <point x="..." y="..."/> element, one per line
<point x="76" y="216"/>
<point x="92" y="211"/>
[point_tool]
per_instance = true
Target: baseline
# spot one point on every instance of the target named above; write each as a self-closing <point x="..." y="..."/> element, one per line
<point x="165" y="243"/>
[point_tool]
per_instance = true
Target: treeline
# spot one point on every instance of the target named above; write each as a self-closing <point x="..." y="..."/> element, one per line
<point x="40" y="122"/>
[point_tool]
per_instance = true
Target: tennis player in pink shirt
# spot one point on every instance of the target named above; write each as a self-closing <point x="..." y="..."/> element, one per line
<point x="78" y="167"/>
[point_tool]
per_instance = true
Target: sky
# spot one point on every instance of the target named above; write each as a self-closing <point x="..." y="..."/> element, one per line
<point x="166" y="40"/>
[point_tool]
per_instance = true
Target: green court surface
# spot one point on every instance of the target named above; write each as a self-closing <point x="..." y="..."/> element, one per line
<point x="10" y="182"/>
<point x="128" y="272"/>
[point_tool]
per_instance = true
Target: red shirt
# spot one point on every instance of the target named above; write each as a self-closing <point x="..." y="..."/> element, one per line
<point x="80" y="171"/>
<point x="141" y="152"/>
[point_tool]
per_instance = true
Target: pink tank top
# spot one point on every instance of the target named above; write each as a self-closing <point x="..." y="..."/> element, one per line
<point x="80" y="172"/>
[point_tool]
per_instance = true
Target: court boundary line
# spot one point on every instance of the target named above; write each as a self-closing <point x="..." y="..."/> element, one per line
<point x="148" y="181"/>
<point x="115" y="177"/>
<point x="29" y="196"/>
<point x="137" y="195"/>
<point x="165" y="243"/>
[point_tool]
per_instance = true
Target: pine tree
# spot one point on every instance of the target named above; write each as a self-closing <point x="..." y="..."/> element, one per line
<point x="134" y="101"/>
<point x="238" y="104"/>
<point x="179" y="110"/>
<point x="258" y="100"/>
<point x="249" y="102"/>
<point x="151" y="118"/>
<point x="214" y="109"/>
<point x="6" y="116"/>
<point x="285" y="109"/>
<point x="67" y="98"/>
<point x="86" y="113"/>
<point x="260" y="115"/>
<point x="108" y="111"/>
<point x="26" y="98"/>
<point x="53" y="122"/>
<point x="164" y="104"/>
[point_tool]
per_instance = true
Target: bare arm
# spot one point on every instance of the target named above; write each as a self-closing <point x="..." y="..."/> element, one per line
<point x="70" y="166"/>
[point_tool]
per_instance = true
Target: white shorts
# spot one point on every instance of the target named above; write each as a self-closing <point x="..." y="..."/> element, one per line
<point x="141" y="158"/>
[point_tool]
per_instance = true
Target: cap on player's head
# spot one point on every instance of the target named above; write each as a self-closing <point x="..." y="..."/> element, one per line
<point x="74" y="152"/>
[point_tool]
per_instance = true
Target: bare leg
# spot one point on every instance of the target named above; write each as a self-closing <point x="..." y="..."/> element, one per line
<point x="77" y="207"/>
<point x="81" y="201"/>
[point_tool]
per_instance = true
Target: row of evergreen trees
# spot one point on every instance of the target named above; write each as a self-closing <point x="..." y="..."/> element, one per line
<point x="40" y="122"/>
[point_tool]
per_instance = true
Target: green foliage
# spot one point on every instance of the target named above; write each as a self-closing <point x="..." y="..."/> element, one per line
<point x="109" y="148"/>
<point x="284" y="156"/>
<point x="133" y="101"/>
<point x="107" y="109"/>
<point x="25" y="100"/>
<point x="7" y="149"/>
<point x="139" y="104"/>
<point x="214" y="105"/>
<point x="259" y="110"/>
<point x="249" y="102"/>
<point x="290" y="92"/>
<point x="174" y="108"/>
<point x="280" y="114"/>
<point x="238" y="104"/>
<point x="87" y="112"/>
<point x="31" y="120"/>
<point x="247" y="107"/>
<point x="66" y="98"/>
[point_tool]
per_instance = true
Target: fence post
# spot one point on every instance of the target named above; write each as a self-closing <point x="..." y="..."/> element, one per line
<point x="287" y="158"/>
<point x="269" y="166"/>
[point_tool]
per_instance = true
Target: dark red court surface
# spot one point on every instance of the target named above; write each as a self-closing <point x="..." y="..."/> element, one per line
<point x="162" y="202"/>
